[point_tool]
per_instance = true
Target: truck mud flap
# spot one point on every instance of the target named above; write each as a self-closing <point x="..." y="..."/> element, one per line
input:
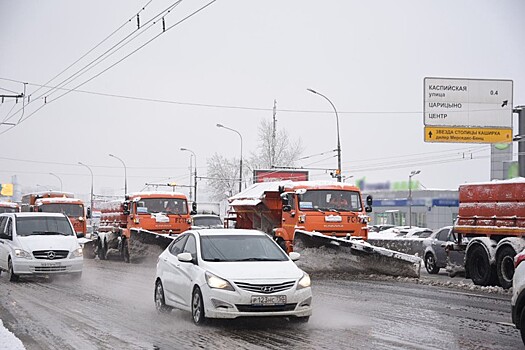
<point x="325" y="255"/>
<point x="146" y="246"/>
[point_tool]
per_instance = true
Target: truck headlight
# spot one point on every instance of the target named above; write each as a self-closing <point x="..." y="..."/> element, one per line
<point x="77" y="253"/>
<point x="217" y="282"/>
<point x="304" y="282"/>
<point x="20" y="253"/>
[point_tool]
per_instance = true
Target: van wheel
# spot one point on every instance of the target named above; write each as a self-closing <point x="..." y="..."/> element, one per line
<point x="505" y="266"/>
<point x="10" y="274"/>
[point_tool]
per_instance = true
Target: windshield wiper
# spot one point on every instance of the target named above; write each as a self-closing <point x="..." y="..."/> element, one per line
<point x="49" y="233"/>
<point x="257" y="259"/>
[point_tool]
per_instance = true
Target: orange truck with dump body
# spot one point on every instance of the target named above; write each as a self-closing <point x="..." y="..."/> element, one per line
<point x="130" y="227"/>
<point x="58" y="202"/>
<point x="490" y="228"/>
<point x="281" y="209"/>
<point x="9" y="207"/>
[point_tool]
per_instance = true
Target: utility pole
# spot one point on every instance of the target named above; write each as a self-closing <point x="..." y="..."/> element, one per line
<point x="272" y="155"/>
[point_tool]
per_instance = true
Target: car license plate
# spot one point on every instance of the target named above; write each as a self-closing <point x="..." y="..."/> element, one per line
<point x="51" y="264"/>
<point x="268" y="299"/>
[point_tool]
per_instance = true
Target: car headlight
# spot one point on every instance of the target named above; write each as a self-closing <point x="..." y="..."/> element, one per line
<point x="304" y="282"/>
<point x="77" y="253"/>
<point x="20" y="253"/>
<point x="217" y="282"/>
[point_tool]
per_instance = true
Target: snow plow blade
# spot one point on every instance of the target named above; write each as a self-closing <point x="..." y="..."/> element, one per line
<point x="146" y="246"/>
<point x="88" y="247"/>
<point x="325" y="254"/>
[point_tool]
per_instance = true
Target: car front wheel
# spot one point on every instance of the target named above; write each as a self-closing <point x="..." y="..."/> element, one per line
<point x="430" y="264"/>
<point x="522" y="325"/>
<point x="160" y="301"/>
<point x="197" y="307"/>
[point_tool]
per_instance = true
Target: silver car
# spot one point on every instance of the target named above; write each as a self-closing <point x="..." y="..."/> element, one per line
<point x="435" y="254"/>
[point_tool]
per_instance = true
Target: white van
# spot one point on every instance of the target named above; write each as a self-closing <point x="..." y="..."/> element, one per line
<point x="38" y="244"/>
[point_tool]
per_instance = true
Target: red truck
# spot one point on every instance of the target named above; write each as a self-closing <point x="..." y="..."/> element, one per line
<point x="490" y="228"/>
<point x="9" y="207"/>
<point x="132" y="227"/>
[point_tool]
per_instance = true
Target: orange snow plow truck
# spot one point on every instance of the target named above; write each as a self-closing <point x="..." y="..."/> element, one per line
<point x="309" y="215"/>
<point x="58" y="202"/>
<point x="140" y="227"/>
<point x="490" y="228"/>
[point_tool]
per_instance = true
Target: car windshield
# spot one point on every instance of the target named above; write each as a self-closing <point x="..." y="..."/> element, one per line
<point x="240" y="247"/>
<point x="28" y="226"/>
<point x="70" y="209"/>
<point x="164" y="205"/>
<point x="330" y="200"/>
<point x="207" y="221"/>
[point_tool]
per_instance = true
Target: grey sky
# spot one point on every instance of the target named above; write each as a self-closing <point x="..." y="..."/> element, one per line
<point x="368" y="57"/>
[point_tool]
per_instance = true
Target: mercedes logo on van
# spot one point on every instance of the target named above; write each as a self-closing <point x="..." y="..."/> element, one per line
<point x="267" y="289"/>
<point x="51" y="255"/>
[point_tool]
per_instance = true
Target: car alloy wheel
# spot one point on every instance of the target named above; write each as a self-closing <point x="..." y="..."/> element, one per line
<point x="197" y="307"/>
<point x="160" y="302"/>
<point x="430" y="264"/>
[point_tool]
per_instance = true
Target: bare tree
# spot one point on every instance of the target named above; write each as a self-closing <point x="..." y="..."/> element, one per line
<point x="223" y="177"/>
<point x="223" y="173"/>
<point x="278" y="151"/>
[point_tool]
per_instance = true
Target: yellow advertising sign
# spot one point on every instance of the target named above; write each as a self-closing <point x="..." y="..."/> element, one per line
<point x="7" y="190"/>
<point x="468" y="135"/>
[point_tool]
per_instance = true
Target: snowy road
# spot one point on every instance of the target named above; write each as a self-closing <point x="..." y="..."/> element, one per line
<point x="112" y="308"/>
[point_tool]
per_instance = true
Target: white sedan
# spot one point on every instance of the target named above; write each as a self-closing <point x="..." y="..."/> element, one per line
<point x="221" y="273"/>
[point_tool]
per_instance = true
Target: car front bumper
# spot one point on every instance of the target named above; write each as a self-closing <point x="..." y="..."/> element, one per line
<point x="232" y="304"/>
<point x="47" y="267"/>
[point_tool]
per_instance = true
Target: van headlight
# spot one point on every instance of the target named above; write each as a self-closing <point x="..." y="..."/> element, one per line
<point x="20" y="253"/>
<point x="304" y="282"/>
<point x="77" y="253"/>
<point x="217" y="282"/>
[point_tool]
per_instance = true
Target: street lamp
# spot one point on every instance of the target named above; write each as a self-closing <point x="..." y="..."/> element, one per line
<point x="91" y="196"/>
<point x="412" y="173"/>
<point x="238" y="133"/>
<point x="125" y="174"/>
<point x="194" y="174"/>
<point x="339" y="170"/>
<point x="59" y="179"/>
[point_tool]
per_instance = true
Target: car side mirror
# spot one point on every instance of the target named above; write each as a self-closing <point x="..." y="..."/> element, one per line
<point x="294" y="256"/>
<point x="185" y="257"/>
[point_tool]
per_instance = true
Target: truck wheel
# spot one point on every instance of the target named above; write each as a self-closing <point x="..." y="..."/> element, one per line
<point x="125" y="251"/>
<point x="430" y="264"/>
<point x="101" y="251"/>
<point x="10" y="274"/>
<point x="481" y="272"/>
<point x="505" y="266"/>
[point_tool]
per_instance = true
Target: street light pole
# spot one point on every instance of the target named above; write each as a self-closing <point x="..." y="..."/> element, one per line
<point x="59" y="179"/>
<point x="412" y="173"/>
<point x="339" y="170"/>
<point x="238" y="133"/>
<point x="91" y="200"/>
<point x="125" y="174"/>
<point x="194" y="174"/>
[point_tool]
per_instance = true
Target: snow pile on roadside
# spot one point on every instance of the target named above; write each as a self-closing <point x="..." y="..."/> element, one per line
<point x="8" y="341"/>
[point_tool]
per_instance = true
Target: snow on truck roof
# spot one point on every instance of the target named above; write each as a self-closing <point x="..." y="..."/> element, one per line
<point x="8" y="204"/>
<point x="58" y="200"/>
<point x="254" y="193"/>
<point x="498" y="182"/>
<point x="156" y="194"/>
